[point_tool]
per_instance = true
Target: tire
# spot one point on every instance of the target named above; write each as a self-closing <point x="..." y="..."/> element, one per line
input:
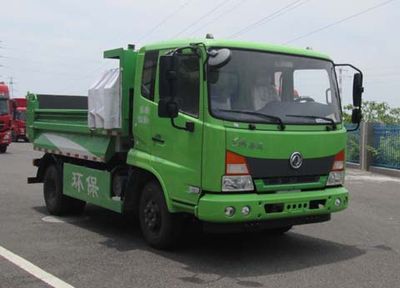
<point x="3" y="149"/>
<point x="161" y="229"/>
<point x="56" y="202"/>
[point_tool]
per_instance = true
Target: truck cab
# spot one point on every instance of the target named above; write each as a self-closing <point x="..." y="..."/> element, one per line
<point x="5" y="119"/>
<point x="237" y="135"/>
<point x="18" y="106"/>
<point x="263" y="124"/>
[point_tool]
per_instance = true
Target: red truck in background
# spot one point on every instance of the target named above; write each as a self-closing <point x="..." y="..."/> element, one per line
<point x="5" y="118"/>
<point x="18" y="112"/>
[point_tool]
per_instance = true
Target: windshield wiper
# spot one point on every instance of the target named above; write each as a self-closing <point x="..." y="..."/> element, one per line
<point x="276" y="118"/>
<point x="330" y="120"/>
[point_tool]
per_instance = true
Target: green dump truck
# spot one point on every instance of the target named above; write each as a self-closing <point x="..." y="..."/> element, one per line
<point x="240" y="136"/>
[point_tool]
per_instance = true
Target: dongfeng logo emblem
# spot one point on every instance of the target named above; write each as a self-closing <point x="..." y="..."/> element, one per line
<point x="296" y="160"/>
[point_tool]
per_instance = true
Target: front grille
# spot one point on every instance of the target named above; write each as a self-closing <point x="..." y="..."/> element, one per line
<point x="290" y="180"/>
<point x="2" y="124"/>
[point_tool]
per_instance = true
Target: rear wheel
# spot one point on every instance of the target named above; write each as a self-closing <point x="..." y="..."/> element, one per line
<point x="160" y="228"/>
<point x="56" y="202"/>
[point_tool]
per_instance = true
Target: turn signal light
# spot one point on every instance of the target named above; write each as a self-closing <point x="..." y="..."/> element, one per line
<point x="235" y="164"/>
<point x="338" y="163"/>
<point x="336" y="176"/>
<point x="236" y="176"/>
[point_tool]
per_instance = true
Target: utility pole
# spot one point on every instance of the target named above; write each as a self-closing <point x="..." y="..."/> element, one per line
<point x="340" y="81"/>
<point x="11" y="83"/>
<point x="1" y="57"/>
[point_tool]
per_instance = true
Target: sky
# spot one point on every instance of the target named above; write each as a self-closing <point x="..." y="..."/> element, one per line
<point x="56" y="47"/>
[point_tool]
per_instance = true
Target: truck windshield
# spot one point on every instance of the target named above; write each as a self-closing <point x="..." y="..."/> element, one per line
<point x="20" y="115"/>
<point x="3" y="107"/>
<point x="276" y="85"/>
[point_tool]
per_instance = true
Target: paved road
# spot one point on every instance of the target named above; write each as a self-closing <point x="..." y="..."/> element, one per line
<point x="360" y="247"/>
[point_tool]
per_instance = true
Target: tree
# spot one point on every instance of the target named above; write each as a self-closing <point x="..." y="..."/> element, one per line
<point x="378" y="112"/>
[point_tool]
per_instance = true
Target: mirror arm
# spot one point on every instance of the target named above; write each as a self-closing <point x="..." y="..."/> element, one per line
<point x="352" y="66"/>
<point x="188" y="127"/>
<point x="192" y="46"/>
<point x="355" y="68"/>
<point x="195" y="48"/>
<point x="205" y="70"/>
<point x="353" y="129"/>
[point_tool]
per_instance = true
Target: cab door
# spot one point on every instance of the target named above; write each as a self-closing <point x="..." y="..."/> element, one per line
<point x="178" y="152"/>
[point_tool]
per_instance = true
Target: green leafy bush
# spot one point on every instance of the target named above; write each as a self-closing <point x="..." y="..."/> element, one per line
<point x="386" y="148"/>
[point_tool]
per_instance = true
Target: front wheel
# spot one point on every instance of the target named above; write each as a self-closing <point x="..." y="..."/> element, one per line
<point x="3" y="148"/>
<point x="160" y="228"/>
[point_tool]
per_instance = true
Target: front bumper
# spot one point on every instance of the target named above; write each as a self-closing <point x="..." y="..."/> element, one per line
<point x="211" y="207"/>
<point x="5" y="138"/>
<point x="21" y="132"/>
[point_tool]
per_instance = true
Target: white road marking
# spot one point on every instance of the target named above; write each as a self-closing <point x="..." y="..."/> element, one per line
<point x="71" y="219"/>
<point x="32" y="269"/>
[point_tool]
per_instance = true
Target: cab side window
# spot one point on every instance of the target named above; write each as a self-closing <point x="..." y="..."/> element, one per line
<point x="149" y="74"/>
<point x="188" y="86"/>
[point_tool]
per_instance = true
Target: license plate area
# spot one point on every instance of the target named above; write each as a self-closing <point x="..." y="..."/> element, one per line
<point x="300" y="206"/>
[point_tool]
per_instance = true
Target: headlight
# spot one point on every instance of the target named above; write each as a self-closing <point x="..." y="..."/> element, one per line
<point x="237" y="183"/>
<point x="335" y="178"/>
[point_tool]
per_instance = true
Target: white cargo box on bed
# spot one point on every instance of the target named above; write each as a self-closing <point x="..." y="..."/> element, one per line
<point x="104" y="101"/>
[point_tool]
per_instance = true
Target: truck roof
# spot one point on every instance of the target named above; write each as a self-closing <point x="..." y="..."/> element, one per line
<point x="236" y="44"/>
<point x="19" y="102"/>
<point x="4" y="92"/>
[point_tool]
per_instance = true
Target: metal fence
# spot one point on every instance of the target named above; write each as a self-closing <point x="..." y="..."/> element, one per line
<point x="385" y="148"/>
<point x="353" y="145"/>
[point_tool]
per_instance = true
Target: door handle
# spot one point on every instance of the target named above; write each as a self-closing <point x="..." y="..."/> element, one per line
<point x="157" y="138"/>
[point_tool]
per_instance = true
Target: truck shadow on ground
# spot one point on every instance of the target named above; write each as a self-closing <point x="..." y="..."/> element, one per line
<point x="210" y="258"/>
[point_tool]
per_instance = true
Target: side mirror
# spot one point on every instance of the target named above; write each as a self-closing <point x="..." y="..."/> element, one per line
<point x="358" y="89"/>
<point x="168" y="83"/>
<point x="356" y="116"/>
<point x="167" y="108"/>
<point x="167" y="77"/>
<point x="219" y="58"/>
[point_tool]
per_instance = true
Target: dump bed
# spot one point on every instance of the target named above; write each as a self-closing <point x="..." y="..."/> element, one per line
<point x="59" y="124"/>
